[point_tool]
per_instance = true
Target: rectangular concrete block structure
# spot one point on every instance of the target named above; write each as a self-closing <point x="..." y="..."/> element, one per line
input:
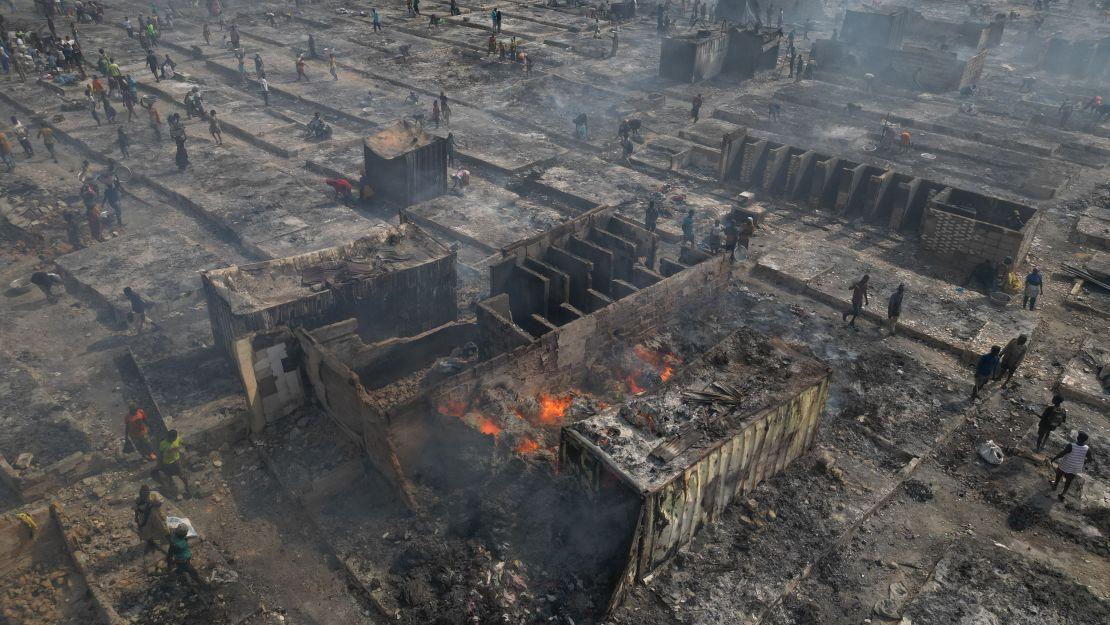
<point x="885" y="28"/>
<point x="551" y="280"/>
<point x="693" y="57"/>
<point x="406" y="165"/>
<point x="954" y="223"/>
<point x="736" y="416"/>
<point x="397" y="282"/>
<point x="962" y="228"/>
<point x="735" y="52"/>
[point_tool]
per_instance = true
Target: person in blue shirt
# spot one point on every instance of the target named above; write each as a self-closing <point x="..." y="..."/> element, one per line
<point x="985" y="369"/>
<point x="1033" y="283"/>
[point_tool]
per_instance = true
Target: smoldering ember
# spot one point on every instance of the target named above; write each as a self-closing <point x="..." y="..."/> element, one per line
<point x="569" y="312"/>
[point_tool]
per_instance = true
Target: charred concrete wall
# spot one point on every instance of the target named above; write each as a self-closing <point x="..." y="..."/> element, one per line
<point x="881" y="196"/>
<point x="673" y="511"/>
<point x="884" y="29"/>
<point x="417" y="175"/>
<point x="751" y="51"/>
<point x="911" y="68"/>
<point x="562" y="358"/>
<point x="391" y="303"/>
<point x="690" y="58"/>
<point x="1085" y="57"/>
<point x="736" y="52"/>
<point x="563" y="275"/>
<point x="339" y="391"/>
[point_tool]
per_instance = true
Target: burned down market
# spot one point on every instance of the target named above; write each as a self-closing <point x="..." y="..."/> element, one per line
<point x="559" y="312"/>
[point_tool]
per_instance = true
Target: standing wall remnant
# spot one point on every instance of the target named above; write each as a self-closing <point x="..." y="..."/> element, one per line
<point x="397" y="282"/>
<point x="683" y="476"/>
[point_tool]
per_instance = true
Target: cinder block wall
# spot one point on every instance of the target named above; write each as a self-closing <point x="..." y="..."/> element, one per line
<point x="962" y="241"/>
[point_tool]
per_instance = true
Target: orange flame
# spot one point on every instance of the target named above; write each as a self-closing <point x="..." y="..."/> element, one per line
<point x="489" y="428"/>
<point x="633" y="387"/>
<point x="553" y="409"/>
<point x="663" y="362"/>
<point x="527" y="446"/>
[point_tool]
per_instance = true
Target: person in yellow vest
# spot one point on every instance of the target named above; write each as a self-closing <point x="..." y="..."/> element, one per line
<point x="170" y="452"/>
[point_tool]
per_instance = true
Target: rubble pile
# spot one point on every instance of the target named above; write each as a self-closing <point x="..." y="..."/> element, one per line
<point x="42" y="594"/>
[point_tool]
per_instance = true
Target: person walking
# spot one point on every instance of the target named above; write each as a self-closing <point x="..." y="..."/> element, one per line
<point x="139" y="307"/>
<point x="1011" y="357"/>
<point x="1071" y="460"/>
<point x="985" y="369"/>
<point x="155" y="122"/>
<point x="124" y="142"/>
<point x="136" y="432"/>
<point x="181" y="155"/>
<point x="332" y="69"/>
<point x="695" y="107"/>
<point x="264" y="86"/>
<point x="170" y="452"/>
<point x="113" y="193"/>
<point x="651" y="215"/>
<point x="300" y="69"/>
<point x="150" y="521"/>
<point x="180" y="555"/>
<point x="859" y="299"/>
<point x="1053" y="416"/>
<point x="375" y="20"/>
<point x="214" y="128"/>
<point x="46" y="133"/>
<point x="894" y="309"/>
<point x="258" y="65"/>
<point x="1033" y="283"/>
<point x="152" y="63"/>
<point x="23" y="137"/>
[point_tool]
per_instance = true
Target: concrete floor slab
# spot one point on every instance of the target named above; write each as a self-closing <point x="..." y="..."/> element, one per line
<point x="485" y="215"/>
<point x="941" y="313"/>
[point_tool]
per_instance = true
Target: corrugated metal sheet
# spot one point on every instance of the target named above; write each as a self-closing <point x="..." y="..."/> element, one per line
<point x="672" y="514"/>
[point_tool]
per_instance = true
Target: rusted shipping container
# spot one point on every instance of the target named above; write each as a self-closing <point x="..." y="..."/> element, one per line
<point x="738" y="415"/>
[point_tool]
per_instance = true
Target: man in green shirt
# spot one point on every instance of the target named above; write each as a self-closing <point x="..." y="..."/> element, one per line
<point x="180" y="555"/>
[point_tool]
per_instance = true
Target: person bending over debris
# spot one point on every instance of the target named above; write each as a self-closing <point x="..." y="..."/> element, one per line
<point x="1052" y="417"/>
<point x="859" y="299"/>
<point x="1072" y="458"/>
<point x="341" y="187"/>
<point x="1012" y="355"/>
<point x="46" y="282"/>
<point x="985" y="369"/>
<point x="894" y="309"/>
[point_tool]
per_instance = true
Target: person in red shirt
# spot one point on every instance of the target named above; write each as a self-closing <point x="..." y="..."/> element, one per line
<point x="341" y="186"/>
<point x="137" y="431"/>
